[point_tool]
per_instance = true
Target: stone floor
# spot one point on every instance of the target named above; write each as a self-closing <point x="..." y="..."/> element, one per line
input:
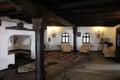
<point x="94" y="68"/>
<point x="98" y="68"/>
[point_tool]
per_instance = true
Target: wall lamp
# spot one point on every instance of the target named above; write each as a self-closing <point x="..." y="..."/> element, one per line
<point x="99" y="31"/>
<point x="52" y="30"/>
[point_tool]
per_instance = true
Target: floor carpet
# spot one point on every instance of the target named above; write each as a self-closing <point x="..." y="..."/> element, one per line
<point x="96" y="68"/>
<point x="99" y="68"/>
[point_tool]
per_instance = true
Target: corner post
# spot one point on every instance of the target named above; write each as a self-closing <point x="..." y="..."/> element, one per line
<point x="37" y="25"/>
<point x="74" y="40"/>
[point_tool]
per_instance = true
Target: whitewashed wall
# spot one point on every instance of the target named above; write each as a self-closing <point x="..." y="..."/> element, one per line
<point x="6" y="59"/>
<point x="5" y="34"/>
<point x="93" y="40"/>
<point x="109" y="32"/>
<point x="22" y="42"/>
<point x="55" y="41"/>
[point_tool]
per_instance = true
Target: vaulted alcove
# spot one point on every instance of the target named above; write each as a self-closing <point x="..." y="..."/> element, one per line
<point x="20" y="46"/>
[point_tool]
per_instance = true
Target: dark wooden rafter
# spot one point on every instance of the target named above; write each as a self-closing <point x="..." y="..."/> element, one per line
<point x="85" y="4"/>
<point x="101" y="19"/>
<point x="105" y="14"/>
<point x="6" y="6"/>
<point x="97" y="23"/>
<point x="112" y="17"/>
<point x="29" y="6"/>
<point x="2" y="1"/>
<point x="21" y="15"/>
<point x="77" y="12"/>
<point x="24" y="10"/>
<point x="81" y="18"/>
<point x="51" y="17"/>
<point x="26" y="18"/>
<point x="13" y="13"/>
<point x="88" y="10"/>
<point x="50" y="2"/>
<point x="90" y="19"/>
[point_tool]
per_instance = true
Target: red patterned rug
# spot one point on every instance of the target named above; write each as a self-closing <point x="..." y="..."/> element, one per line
<point x="54" y="63"/>
<point x="64" y="56"/>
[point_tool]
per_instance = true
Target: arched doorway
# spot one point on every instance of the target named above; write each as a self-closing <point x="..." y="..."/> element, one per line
<point x="20" y="46"/>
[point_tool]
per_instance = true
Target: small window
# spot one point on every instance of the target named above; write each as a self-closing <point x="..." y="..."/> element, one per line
<point x="86" y="38"/>
<point x="65" y="37"/>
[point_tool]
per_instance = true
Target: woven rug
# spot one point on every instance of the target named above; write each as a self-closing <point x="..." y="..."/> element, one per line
<point x="53" y="62"/>
<point x="64" y="57"/>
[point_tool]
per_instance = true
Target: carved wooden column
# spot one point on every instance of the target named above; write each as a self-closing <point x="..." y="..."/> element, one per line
<point x="74" y="40"/>
<point x="40" y="75"/>
<point x="42" y="37"/>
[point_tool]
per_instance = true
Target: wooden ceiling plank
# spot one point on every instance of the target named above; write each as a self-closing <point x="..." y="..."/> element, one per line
<point x="25" y="17"/>
<point x="13" y="13"/>
<point x="89" y="10"/>
<point x="83" y="4"/>
<point x="84" y="19"/>
<point x="2" y="1"/>
<point x="29" y="6"/>
<point x="97" y="15"/>
<point x="6" y="6"/>
<point x="97" y="23"/>
<point x="79" y="13"/>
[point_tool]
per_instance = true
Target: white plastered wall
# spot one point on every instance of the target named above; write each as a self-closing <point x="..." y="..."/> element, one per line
<point x="109" y="32"/>
<point x="22" y="42"/>
<point x="55" y="41"/>
<point x="5" y="34"/>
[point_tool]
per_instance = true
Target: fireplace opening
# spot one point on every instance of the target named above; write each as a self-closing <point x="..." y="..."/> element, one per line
<point x="20" y="46"/>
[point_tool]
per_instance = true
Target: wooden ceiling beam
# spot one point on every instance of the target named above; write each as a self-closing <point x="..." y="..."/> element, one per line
<point x="79" y="20"/>
<point x="24" y="17"/>
<point x="1" y="1"/>
<point x="21" y="16"/>
<point x="29" y="6"/>
<point x="88" y="10"/>
<point x="83" y="4"/>
<point x="96" y="23"/>
<point x="100" y="15"/>
<point x="6" y="6"/>
<point x="85" y="12"/>
<point x="12" y="13"/>
<point x="100" y="19"/>
<point x="92" y="19"/>
<point x="51" y="17"/>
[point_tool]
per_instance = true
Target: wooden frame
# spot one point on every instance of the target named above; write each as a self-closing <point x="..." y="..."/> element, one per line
<point x="78" y="34"/>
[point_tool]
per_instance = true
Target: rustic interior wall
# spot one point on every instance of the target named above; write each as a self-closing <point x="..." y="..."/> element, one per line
<point x="5" y="34"/>
<point x="109" y="32"/>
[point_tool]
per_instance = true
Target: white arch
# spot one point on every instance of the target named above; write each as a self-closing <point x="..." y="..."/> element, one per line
<point x="6" y="59"/>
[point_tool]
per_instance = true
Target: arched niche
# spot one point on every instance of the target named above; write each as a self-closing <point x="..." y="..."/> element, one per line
<point x="20" y="45"/>
<point x="24" y="44"/>
<point x="19" y="42"/>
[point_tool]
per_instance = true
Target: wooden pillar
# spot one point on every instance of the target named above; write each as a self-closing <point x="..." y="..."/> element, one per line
<point x="40" y="75"/>
<point x="42" y="37"/>
<point x="74" y="40"/>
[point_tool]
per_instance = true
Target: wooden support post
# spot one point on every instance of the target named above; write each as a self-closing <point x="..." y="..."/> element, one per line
<point x="74" y="40"/>
<point x="40" y="74"/>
